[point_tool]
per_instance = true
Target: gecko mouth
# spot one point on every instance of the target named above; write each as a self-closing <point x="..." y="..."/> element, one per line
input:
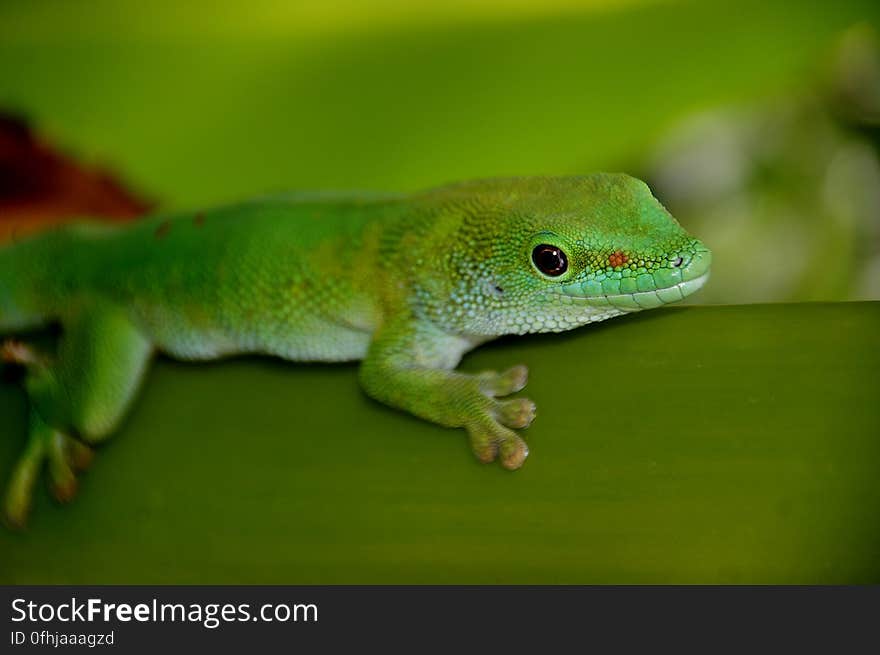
<point x="691" y="277"/>
<point x="630" y="302"/>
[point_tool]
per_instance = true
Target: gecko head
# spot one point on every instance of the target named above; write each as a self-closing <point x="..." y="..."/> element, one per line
<point x="550" y="254"/>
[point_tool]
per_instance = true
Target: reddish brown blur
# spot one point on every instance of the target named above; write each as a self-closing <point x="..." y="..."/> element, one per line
<point x="40" y="187"/>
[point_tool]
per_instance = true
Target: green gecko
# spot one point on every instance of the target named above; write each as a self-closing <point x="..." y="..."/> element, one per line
<point x="406" y="283"/>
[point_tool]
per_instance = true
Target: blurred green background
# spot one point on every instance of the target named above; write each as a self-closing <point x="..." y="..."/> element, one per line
<point x="744" y="449"/>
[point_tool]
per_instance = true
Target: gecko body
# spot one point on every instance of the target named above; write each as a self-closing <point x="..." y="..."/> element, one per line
<point x="407" y="283"/>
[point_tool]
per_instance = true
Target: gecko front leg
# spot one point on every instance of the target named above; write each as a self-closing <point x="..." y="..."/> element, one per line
<point x="411" y="367"/>
<point x="82" y="391"/>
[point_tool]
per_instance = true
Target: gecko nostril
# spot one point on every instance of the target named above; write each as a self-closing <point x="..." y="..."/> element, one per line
<point x="678" y="261"/>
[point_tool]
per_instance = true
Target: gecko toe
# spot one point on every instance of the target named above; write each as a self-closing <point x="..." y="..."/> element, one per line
<point x="19" y="492"/>
<point x="490" y="440"/>
<point x="503" y="384"/>
<point x="513" y="453"/>
<point x="515" y="379"/>
<point x="515" y="413"/>
<point x="66" y="456"/>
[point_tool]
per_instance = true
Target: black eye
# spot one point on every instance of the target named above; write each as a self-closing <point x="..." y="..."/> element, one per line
<point x="550" y="260"/>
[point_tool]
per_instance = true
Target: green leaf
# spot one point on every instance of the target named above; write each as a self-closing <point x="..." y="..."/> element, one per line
<point x="701" y="444"/>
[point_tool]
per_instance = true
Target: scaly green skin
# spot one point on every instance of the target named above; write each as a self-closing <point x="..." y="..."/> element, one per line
<point x="407" y="283"/>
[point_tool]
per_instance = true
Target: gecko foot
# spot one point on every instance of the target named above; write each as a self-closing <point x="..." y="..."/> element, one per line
<point x="490" y="436"/>
<point x="64" y="455"/>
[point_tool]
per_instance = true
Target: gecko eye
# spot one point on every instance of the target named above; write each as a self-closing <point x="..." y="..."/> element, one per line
<point x="550" y="260"/>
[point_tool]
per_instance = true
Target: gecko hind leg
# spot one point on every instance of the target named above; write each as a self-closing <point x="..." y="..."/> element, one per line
<point x="84" y="391"/>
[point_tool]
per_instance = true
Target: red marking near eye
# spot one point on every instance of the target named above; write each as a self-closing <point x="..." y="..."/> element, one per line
<point x="617" y="258"/>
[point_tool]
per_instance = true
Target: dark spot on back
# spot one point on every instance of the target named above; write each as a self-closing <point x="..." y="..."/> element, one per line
<point x="199" y="219"/>
<point x="163" y="229"/>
